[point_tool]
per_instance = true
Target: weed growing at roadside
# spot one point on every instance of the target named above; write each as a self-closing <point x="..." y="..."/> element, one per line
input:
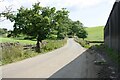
<point x="110" y="52"/>
<point x="12" y="52"/>
<point x="83" y="43"/>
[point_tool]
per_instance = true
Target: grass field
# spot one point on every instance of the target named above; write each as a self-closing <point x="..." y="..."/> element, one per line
<point x="95" y="33"/>
<point x="15" y="40"/>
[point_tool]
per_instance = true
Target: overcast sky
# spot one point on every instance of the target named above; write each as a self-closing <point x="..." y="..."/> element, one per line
<point x="90" y="12"/>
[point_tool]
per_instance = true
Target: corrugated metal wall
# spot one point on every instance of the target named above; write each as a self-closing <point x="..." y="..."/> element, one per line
<point x="112" y="28"/>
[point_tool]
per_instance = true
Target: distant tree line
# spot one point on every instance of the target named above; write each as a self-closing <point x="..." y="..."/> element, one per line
<point x="45" y="22"/>
<point x="3" y="31"/>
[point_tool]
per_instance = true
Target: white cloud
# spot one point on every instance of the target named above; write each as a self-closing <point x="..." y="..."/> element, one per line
<point x="74" y="6"/>
<point x="57" y="3"/>
<point x="70" y="3"/>
<point x="111" y="1"/>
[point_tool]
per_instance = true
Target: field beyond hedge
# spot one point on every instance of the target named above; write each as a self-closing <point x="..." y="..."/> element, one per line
<point x="95" y="33"/>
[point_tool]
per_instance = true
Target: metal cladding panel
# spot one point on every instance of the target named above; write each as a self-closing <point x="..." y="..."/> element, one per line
<point x="112" y="28"/>
<point x="119" y="28"/>
<point x="117" y="0"/>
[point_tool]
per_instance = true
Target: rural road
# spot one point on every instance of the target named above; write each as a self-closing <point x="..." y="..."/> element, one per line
<point x="70" y="61"/>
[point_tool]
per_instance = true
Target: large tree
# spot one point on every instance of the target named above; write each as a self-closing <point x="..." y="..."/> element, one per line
<point x="61" y="18"/>
<point x="4" y="13"/>
<point x="82" y="33"/>
<point x="76" y="28"/>
<point x="37" y="21"/>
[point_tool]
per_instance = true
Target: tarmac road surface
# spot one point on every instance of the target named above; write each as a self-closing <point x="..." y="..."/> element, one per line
<point x="70" y="61"/>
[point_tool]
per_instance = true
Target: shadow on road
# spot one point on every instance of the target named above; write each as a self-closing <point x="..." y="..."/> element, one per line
<point x="81" y="67"/>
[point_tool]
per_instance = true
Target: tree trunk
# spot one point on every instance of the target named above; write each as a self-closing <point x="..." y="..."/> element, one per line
<point x="38" y="45"/>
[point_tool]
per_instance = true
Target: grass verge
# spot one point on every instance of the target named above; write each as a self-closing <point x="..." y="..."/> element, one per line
<point x="110" y="52"/>
<point x="16" y="53"/>
<point x="82" y="42"/>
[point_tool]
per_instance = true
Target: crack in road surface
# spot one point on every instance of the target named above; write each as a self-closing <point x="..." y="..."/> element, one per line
<point x="54" y="64"/>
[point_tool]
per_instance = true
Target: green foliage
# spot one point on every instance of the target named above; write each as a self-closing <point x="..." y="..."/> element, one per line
<point x="61" y="36"/>
<point x="110" y="52"/>
<point x="53" y="44"/>
<point x="83" y="43"/>
<point x="38" y="22"/>
<point x="3" y="32"/>
<point x="76" y="29"/>
<point x="113" y="55"/>
<point x="82" y="33"/>
<point x="95" y="33"/>
<point x="52" y="36"/>
<point x="44" y="22"/>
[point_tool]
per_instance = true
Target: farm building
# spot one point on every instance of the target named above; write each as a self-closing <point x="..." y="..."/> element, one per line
<point x="112" y="28"/>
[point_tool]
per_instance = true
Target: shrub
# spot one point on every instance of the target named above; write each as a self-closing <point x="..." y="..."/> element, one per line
<point x="52" y="36"/>
<point x="53" y="44"/>
<point x="61" y="36"/>
<point x="82" y="42"/>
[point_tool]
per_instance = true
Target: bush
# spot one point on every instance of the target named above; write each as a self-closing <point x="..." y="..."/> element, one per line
<point x="82" y="42"/>
<point x="52" y="36"/>
<point x="53" y="44"/>
<point x="61" y="36"/>
<point x="70" y="36"/>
